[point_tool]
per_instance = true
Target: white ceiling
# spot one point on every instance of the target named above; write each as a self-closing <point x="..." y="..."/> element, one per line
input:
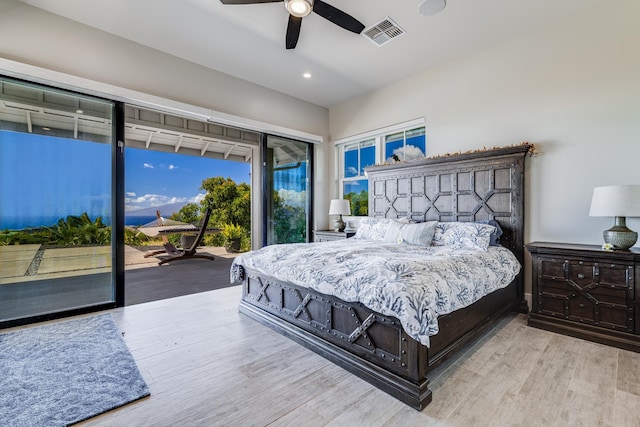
<point x="247" y="41"/>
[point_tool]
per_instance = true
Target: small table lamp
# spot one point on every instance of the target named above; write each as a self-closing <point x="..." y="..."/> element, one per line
<point x="619" y="201"/>
<point x="339" y="207"/>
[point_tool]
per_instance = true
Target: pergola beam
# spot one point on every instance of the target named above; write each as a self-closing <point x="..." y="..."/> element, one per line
<point x="204" y="148"/>
<point x="228" y="152"/>
<point x="29" y="122"/>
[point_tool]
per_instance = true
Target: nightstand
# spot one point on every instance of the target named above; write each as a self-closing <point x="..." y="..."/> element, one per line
<point x="586" y="292"/>
<point x="329" y="235"/>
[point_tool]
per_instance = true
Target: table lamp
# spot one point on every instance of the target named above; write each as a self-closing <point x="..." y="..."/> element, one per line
<point x="339" y="207"/>
<point x="619" y="201"/>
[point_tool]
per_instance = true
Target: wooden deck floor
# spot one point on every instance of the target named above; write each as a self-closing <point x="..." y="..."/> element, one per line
<point x="179" y="278"/>
<point x="65" y="278"/>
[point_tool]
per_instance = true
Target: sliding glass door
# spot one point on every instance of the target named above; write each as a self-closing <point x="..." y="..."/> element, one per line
<point x="57" y="157"/>
<point x="287" y="185"/>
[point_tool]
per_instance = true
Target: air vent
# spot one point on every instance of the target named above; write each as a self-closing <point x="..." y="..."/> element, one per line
<point x="383" y="32"/>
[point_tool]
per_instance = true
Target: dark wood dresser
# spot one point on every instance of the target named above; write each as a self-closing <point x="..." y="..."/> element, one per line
<point x="586" y="292"/>
<point x="329" y="235"/>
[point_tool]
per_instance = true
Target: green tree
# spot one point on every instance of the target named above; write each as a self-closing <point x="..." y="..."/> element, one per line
<point x="359" y="203"/>
<point x="80" y="230"/>
<point x="290" y="222"/>
<point x="230" y="203"/>
<point x="189" y="213"/>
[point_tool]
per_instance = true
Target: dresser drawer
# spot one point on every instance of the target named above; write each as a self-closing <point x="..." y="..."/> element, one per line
<point x="586" y="292"/>
<point x="328" y="235"/>
<point x="598" y="293"/>
<point x="584" y="308"/>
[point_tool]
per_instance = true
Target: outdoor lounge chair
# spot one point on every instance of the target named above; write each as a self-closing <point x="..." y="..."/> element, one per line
<point x="170" y="252"/>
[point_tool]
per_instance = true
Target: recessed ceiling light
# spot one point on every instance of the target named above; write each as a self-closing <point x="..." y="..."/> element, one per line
<point x="79" y="111"/>
<point x="431" y="7"/>
<point x="45" y="128"/>
<point x="307" y="75"/>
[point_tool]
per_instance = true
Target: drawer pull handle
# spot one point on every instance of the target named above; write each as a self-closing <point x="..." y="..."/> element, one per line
<point x="580" y="276"/>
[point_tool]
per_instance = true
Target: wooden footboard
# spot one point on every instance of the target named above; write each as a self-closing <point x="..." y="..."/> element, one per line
<point x="372" y="346"/>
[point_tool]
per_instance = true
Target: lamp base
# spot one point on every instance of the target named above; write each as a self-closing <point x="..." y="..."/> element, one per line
<point x="619" y="235"/>
<point x="339" y="225"/>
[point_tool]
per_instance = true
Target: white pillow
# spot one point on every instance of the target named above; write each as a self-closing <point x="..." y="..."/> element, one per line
<point x="463" y="235"/>
<point x="412" y="234"/>
<point x="372" y="228"/>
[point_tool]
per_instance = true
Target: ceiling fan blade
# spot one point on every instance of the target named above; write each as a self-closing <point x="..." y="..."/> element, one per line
<point x="248" y="1"/>
<point x="293" y="32"/>
<point x="337" y="16"/>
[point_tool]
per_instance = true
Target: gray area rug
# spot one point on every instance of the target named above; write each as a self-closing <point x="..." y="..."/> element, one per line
<point x="64" y="373"/>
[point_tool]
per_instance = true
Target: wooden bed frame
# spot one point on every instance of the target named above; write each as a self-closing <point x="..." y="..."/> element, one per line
<point x="465" y="187"/>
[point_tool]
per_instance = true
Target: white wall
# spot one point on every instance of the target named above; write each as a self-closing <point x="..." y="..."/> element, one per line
<point x="31" y="36"/>
<point x="572" y="89"/>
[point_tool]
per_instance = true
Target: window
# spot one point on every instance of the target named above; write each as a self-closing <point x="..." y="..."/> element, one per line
<point x="287" y="199"/>
<point x="355" y="187"/>
<point x="404" y="142"/>
<point x="59" y="163"/>
<point x="405" y="145"/>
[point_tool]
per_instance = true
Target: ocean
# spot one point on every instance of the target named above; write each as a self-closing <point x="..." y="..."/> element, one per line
<point x="21" y="223"/>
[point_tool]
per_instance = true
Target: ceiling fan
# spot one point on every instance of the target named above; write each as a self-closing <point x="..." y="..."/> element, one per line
<point x="298" y="9"/>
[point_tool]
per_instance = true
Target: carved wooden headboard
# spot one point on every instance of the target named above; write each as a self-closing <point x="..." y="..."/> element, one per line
<point x="464" y="187"/>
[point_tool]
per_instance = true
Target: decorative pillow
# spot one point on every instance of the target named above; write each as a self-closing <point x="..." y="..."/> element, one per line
<point x="463" y="235"/>
<point x="373" y="228"/>
<point x="406" y="220"/>
<point x="495" y="236"/>
<point x="412" y="234"/>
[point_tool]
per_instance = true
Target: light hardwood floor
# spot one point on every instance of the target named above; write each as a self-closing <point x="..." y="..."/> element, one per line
<point x="208" y="365"/>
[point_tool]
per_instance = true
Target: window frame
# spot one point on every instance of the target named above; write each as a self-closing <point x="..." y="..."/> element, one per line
<point x="379" y="138"/>
<point x="406" y="134"/>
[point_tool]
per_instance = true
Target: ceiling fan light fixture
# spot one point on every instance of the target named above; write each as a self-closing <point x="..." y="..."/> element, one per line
<point x="299" y="8"/>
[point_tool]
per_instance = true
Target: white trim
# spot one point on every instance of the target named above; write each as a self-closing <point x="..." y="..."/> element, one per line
<point x="386" y="130"/>
<point x="103" y="90"/>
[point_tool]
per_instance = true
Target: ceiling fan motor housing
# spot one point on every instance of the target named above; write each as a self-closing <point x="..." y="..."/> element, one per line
<point x="299" y="8"/>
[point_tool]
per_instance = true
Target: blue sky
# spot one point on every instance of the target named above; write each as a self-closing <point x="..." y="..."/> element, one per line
<point x="154" y="178"/>
<point x="44" y="178"/>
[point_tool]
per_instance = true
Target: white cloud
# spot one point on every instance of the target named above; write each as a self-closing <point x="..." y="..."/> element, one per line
<point x="172" y="167"/>
<point x="131" y="194"/>
<point x="150" y="200"/>
<point x="133" y="202"/>
<point x="352" y="171"/>
<point x="411" y="152"/>
<point x="293" y="198"/>
<point x="147" y="166"/>
<point x="198" y="198"/>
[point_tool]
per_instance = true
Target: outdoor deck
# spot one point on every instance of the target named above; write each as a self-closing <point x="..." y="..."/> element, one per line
<point x="40" y="280"/>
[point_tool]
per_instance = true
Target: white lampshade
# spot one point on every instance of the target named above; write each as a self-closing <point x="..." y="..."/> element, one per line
<point x="339" y="207"/>
<point x="299" y="8"/>
<point x="616" y="200"/>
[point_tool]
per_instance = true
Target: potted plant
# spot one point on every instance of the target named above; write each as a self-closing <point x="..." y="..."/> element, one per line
<point x="232" y="234"/>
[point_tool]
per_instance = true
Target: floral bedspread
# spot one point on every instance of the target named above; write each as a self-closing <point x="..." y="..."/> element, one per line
<point x="415" y="284"/>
